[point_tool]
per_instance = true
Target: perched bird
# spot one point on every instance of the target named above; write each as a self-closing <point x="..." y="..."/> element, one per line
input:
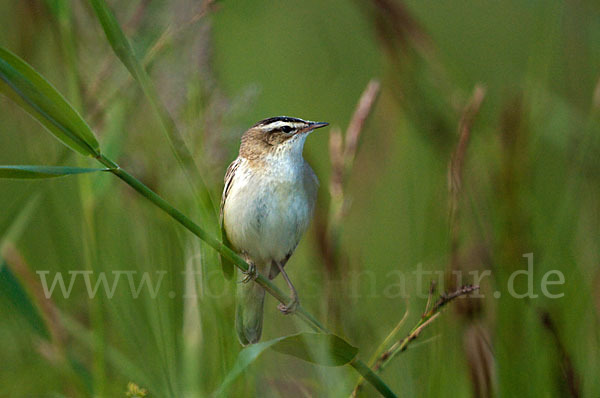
<point x="267" y="204"/>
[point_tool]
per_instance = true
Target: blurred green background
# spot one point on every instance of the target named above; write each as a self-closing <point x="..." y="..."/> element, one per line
<point x="530" y="184"/>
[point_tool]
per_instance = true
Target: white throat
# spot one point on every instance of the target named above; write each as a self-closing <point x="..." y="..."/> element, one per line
<point x="287" y="158"/>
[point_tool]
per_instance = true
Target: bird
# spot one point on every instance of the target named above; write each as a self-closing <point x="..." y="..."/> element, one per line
<point x="267" y="204"/>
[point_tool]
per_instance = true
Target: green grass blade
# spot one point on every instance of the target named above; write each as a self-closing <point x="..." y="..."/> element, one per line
<point x="20" y="82"/>
<point x="244" y="359"/>
<point x="11" y="289"/>
<point x="13" y="292"/>
<point x="320" y="348"/>
<point x="124" y="51"/>
<point x="35" y="172"/>
<point x="116" y="37"/>
<point x="372" y="378"/>
<point x="19" y="219"/>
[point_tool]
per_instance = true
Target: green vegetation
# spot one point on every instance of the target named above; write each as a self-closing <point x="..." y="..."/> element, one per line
<point x="473" y="160"/>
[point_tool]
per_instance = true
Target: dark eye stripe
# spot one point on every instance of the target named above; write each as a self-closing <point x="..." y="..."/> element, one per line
<point x="286" y="129"/>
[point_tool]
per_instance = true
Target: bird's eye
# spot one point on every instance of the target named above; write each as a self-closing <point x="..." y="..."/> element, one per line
<point x="286" y="129"/>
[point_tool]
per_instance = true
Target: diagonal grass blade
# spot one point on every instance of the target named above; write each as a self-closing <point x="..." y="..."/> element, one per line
<point x="20" y="302"/>
<point x="21" y="83"/>
<point x="35" y="172"/>
<point x="320" y="348"/>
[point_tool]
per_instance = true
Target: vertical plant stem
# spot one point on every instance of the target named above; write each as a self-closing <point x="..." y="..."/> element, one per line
<point x="64" y="20"/>
<point x="372" y="378"/>
<point x="382" y="347"/>
<point x="124" y="51"/>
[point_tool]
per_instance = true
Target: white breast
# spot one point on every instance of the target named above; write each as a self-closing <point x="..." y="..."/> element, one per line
<point x="265" y="215"/>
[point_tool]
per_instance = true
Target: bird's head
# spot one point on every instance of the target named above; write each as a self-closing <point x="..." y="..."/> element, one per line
<point x="279" y="135"/>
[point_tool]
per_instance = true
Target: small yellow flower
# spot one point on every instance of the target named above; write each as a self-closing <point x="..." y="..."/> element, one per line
<point x="134" y="391"/>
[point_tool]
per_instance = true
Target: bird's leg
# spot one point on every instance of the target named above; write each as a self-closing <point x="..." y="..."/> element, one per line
<point x="250" y="274"/>
<point x="289" y="308"/>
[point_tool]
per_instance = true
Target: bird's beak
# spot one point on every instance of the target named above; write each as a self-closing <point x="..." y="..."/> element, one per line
<point x="312" y="126"/>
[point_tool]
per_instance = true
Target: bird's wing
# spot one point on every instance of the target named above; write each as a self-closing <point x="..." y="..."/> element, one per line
<point x="229" y="175"/>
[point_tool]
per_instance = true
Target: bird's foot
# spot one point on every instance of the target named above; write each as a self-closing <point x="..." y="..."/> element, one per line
<point x="250" y="274"/>
<point x="289" y="308"/>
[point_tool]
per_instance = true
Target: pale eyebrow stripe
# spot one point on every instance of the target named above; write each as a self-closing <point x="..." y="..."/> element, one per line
<point x="285" y="119"/>
<point x="279" y="124"/>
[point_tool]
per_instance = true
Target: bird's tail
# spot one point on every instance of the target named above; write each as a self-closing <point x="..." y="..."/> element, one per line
<point x="250" y="298"/>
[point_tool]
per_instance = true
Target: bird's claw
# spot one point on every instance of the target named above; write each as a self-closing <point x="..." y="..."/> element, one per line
<point x="290" y="308"/>
<point x="250" y="274"/>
